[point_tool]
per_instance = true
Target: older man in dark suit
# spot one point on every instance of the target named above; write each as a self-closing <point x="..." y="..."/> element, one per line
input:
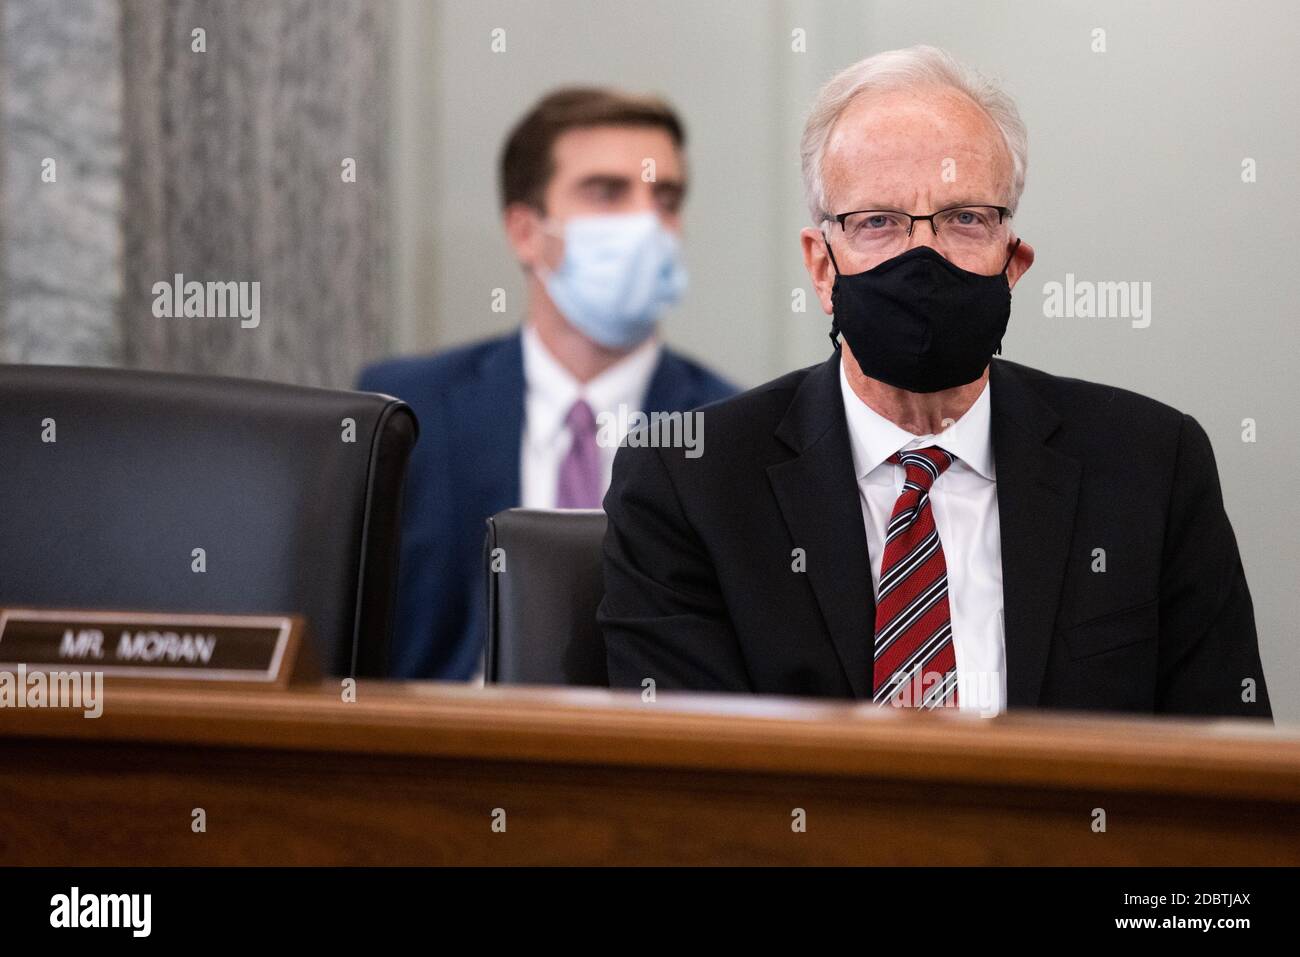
<point x="915" y="521"/>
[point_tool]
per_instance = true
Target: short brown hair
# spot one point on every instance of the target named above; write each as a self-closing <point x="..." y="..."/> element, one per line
<point x="527" y="163"/>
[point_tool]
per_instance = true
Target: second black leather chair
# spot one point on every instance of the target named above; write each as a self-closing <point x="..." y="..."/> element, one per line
<point x="544" y="585"/>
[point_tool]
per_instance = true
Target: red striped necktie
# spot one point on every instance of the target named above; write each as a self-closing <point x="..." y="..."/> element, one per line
<point x="915" y="664"/>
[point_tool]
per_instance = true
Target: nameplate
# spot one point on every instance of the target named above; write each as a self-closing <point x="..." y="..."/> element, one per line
<point x="254" y="649"/>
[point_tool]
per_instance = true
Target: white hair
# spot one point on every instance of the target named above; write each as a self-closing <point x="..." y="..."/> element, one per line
<point x="918" y="66"/>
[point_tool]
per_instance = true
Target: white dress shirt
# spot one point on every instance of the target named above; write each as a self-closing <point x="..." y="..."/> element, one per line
<point x="550" y="391"/>
<point x="964" y="502"/>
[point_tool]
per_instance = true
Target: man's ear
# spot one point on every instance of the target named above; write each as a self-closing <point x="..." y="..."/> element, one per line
<point x="818" y="263"/>
<point x="1020" y="263"/>
<point x="523" y="226"/>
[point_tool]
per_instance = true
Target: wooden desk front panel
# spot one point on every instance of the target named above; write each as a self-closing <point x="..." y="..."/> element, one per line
<point x="412" y="775"/>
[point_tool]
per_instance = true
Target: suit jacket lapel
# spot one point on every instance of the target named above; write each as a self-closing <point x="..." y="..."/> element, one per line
<point x="1038" y="489"/>
<point x="662" y="386"/>
<point x="817" y="492"/>
<point x="488" y="418"/>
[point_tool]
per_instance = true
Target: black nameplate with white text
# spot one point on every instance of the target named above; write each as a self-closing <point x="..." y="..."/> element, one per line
<point x="244" y="648"/>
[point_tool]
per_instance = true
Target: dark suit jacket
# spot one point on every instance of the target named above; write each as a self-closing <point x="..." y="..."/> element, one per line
<point x="465" y="468"/>
<point x="700" y="591"/>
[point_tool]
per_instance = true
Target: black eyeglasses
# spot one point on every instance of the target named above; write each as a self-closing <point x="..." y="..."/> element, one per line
<point x="986" y="215"/>
<point x="958" y="229"/>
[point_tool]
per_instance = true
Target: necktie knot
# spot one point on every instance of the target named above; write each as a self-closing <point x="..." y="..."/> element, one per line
<point x="581" y="420"/>
<point x="923" y="465"/>
<point x="581" y="482"/>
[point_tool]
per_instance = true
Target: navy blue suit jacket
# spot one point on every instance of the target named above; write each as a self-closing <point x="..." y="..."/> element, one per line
<point x="465" y="468"/>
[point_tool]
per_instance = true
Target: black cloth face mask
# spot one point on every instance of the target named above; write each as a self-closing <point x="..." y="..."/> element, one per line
<point x="920" y="323"/>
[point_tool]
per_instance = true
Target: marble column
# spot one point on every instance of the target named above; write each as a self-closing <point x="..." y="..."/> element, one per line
<point x="60" y="181"/>
<point x="234" y="172"/>
<point x="205" y="139"/>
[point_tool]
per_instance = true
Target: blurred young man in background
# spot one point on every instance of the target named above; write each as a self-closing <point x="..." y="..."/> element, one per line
<point x="592" y="185"/>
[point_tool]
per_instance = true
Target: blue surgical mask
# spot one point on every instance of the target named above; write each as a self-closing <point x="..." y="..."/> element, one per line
<point x="618" y="274"/>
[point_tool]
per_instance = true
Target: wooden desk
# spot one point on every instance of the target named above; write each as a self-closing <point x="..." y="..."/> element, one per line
<point x="411" y="773"/>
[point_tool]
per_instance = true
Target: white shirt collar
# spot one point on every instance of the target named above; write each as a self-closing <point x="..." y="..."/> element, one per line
<point x="874" y="438"/>
<point x="551" y="390"/>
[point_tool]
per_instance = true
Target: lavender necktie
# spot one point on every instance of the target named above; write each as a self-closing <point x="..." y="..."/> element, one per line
<point x="580" y="474"/>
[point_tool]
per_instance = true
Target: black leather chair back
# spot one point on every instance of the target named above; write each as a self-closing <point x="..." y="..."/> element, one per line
<point x="544" y="585"/>
<point x="146" y="467"/>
